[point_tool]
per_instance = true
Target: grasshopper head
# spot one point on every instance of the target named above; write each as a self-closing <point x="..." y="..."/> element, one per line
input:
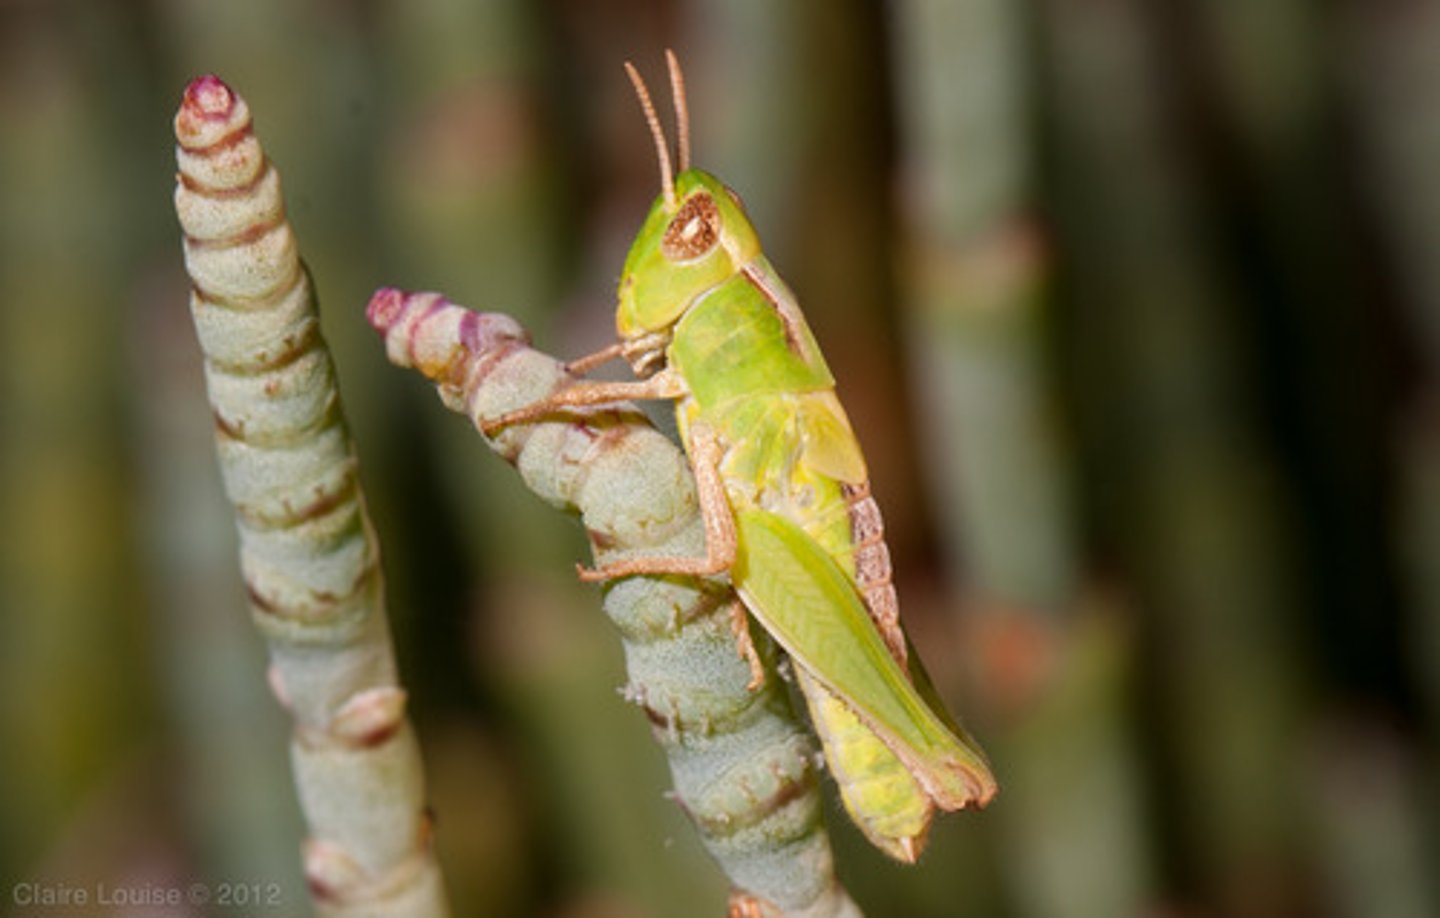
<point x="694" y="238"/>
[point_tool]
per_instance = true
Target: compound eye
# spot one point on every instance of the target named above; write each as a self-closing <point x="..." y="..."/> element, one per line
<point x="694" y="230"/>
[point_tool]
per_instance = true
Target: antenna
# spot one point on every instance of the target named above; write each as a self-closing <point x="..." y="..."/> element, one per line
<point x="662" y="149"/>
<point x="682" y="109"/>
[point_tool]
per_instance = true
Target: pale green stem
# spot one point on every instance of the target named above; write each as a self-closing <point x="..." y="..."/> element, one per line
<point x="307" y="551"/>
<point x="975" y="276"/>
<point x="744" y="767"/>
<point x="237" y="809"/>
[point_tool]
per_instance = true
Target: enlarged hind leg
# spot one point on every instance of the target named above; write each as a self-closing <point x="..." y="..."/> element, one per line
<point x="873" y="573"/>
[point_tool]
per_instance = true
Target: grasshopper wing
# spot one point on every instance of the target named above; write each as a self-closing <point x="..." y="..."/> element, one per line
<point x="803" y="598"/>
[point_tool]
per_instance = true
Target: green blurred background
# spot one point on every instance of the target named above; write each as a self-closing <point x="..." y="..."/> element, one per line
<point x="1136" y="309"/>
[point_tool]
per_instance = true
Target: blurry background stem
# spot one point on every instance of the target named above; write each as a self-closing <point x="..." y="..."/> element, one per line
<point x="1054" y="659"/>
<point x="1390" y="72"/>
<point x="71" y="629"/>
<point x="1173" y="448"/>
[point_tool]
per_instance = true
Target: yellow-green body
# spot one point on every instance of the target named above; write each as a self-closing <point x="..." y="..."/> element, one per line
<point x="700" y="301"/>
<point x="788" y="448"/>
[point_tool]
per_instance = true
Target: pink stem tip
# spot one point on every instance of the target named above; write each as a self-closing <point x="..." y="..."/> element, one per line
<point x="208" y="97"/>
<point x="386" y="307"/>
<point x="437" y="337"/>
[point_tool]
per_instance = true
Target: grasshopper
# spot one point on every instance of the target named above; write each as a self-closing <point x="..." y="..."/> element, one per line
<point x="705" y="321"/>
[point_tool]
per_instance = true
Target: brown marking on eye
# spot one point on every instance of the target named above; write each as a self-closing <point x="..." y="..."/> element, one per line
<point x="694" y="230"/>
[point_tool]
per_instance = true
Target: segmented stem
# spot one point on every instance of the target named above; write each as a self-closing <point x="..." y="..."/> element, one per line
<point x="307" y="550"/>
<point x="743" y="766"/>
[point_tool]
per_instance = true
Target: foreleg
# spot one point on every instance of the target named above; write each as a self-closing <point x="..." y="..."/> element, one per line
<point x="661" y="386"/>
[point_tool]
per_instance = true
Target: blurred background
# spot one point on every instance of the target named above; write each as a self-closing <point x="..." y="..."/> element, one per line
<point x="1135" y="307"/>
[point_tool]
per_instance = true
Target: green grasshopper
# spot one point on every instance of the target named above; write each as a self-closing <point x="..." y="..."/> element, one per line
<point x="705" y="321"/>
